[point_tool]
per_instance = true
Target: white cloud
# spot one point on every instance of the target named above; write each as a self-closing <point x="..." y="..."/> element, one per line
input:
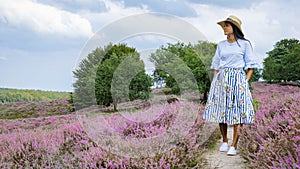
<point x="264" y="23"/>
<point x="114" y="12"/>
<point x="76" y="5"/>
<point x="43" y="19"/>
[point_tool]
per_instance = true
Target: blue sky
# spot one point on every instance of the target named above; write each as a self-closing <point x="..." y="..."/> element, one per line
<point x="41" y="40"/>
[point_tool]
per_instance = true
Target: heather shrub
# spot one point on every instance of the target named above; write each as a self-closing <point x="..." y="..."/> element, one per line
<point x="35" y="109"/>
<point x="65" y="143"/>
<point x="273" y="141"/>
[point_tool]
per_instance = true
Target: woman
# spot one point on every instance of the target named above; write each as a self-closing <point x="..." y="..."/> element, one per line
<point x="230" y="101"/>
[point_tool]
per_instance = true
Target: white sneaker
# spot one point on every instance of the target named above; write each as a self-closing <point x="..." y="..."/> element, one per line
<point x="232" y="151"/>
<point x="224" y="147"/>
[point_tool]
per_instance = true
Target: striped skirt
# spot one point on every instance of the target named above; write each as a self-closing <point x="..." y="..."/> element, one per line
<point x="229" y="99"/>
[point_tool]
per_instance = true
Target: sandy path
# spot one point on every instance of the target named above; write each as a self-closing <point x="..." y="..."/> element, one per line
<point x="220" y="160"/>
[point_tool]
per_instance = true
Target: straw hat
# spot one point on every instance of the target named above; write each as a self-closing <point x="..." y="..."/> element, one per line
<point x="232" y="19"/>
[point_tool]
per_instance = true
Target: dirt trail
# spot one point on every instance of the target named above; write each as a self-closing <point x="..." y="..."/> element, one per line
<point x="220" y="160"/>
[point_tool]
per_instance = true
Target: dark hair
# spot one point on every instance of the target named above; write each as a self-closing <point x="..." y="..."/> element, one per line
<point x="238" y="34"/>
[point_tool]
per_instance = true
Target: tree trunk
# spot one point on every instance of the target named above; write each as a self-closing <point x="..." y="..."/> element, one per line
<point x="115" y="106"/>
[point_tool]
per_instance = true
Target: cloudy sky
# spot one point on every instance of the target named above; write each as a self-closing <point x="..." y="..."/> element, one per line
<point x="42" y="40"/>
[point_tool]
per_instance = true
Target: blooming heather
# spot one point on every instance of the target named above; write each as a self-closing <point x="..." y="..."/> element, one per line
<point x="273" y="140"/>
<point x="64" y="142"/>
<point x="159" y="136"/>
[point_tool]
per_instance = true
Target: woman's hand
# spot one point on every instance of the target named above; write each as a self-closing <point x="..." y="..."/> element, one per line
<point x="249" y="73"/>
<point x="216" y="71"/>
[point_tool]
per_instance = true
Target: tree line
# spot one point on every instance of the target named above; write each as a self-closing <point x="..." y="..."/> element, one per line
<point x="25" y="95"/>
<point x="115" y="73"/>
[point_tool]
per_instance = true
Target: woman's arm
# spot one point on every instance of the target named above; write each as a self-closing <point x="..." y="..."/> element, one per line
<point x="249" y="73"/>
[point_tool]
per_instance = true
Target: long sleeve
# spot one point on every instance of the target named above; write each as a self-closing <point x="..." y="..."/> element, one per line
<point x="216" y="60"/>
<point x="249" y="57"/>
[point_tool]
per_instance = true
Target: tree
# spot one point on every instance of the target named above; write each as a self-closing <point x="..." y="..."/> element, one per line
<point x="121" y="77"/>
<point x="85" y="74"/>
<point x="206" y="51"/>
<point x="291" y="64"/>
<point x="95" y="73"/>
<point x="277" y="64"/>
<point x="179" y="64"/>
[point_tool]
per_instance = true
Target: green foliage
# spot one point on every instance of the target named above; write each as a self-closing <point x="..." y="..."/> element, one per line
<point x="206" y="50"/>
<point x="103" y="80"/>
<point x="179" y="65"/>
<point x="24" y="95"/>
<point x="113" y="74"/>
<point x="291" y="64"/>
<point x="283" y="62"/>
<point x="140" y="86"/>
<point x="121" y="77"/>
<point x="271" y="71"/>
<point x="85" y="74"/>
<point x="170" y="66"/>
<point x="255" y="104"/>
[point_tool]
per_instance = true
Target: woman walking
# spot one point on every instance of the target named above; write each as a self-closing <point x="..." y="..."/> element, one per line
<point x="230" y="101"/>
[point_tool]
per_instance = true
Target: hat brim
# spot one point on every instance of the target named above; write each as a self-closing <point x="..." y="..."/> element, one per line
<point x="222" y="24"/>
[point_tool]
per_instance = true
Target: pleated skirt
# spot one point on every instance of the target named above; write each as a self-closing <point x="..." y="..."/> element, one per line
<point x="229" y="99"/>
